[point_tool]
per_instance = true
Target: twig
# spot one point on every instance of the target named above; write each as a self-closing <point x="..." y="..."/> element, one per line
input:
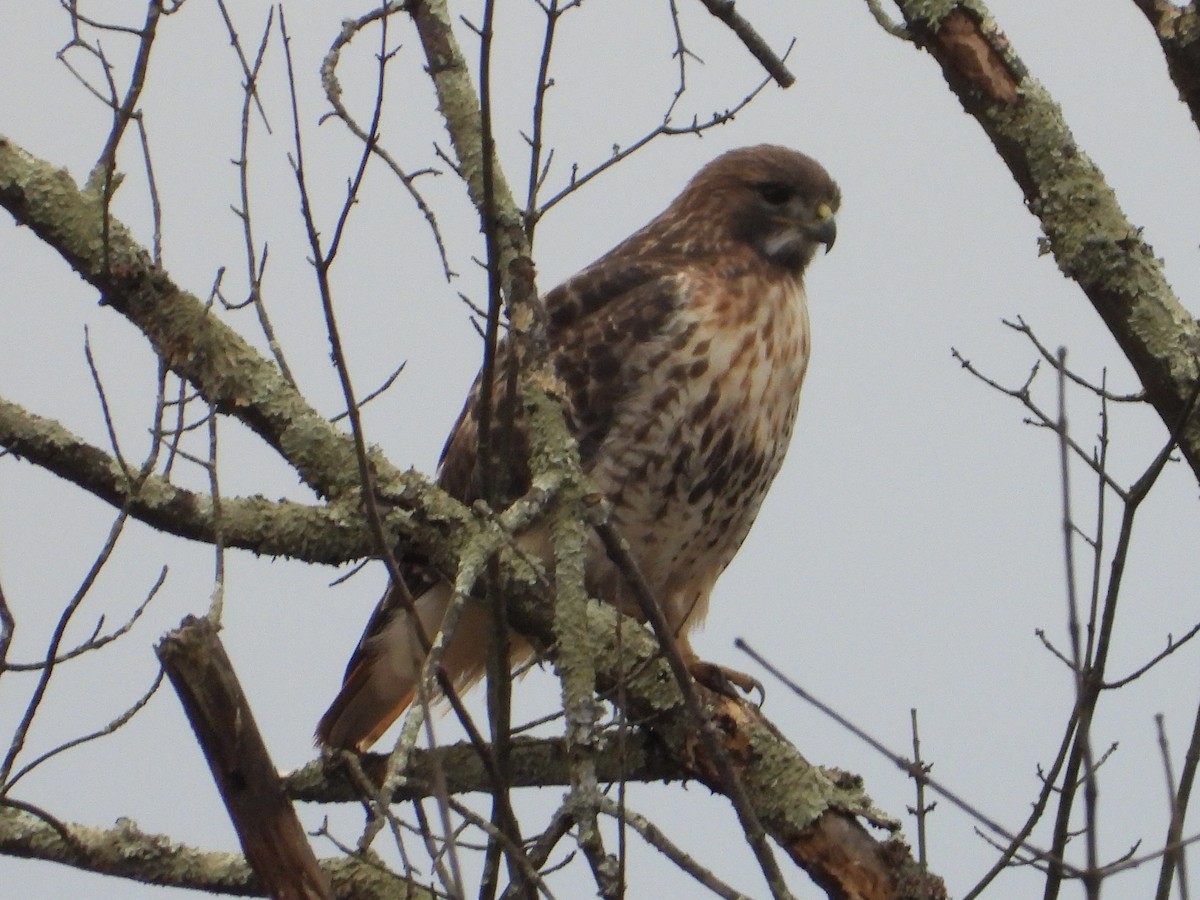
<point x="255" y="269"/>
<point x="8" y="627"/>
<point x="323" y="259"/>
<point x="39" y="691"/>
<point x="1173" y="856"/>
<point x="542" y="847"/>
<point x="1080" y="667"/>
<point x="1101" y="391"/>
<point x="102" y="396"/>
<point x="654" y="836"/>
<point x="104" y="170"/>
<point x="664" y="129"/>
<point x="95" y="642"/>
<point x="250" y="72"/>
<point x="378" y="392"/>
<point x="380" y="814"/>
<point x="922" y="810"/>
<point x="1041" y="418"/>
<point x="1092" y="680"/>
<point x="1172" y="646"/>
<point x="493" y="463"/>
<point x="511" y="851"/>
<point x="681" y="54"/>
<point x="370" y="136"/>
<point x="539" y="168"/>
<point x="108" y="729"/>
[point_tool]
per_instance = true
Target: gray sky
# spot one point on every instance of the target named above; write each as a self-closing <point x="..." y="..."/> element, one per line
<point x="911" y="545"/>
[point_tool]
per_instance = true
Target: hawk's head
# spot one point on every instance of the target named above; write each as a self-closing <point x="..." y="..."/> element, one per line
<point x="778" y="201"/>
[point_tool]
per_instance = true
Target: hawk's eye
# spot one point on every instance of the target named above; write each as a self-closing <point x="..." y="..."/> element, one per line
<point x="774" y="193"/>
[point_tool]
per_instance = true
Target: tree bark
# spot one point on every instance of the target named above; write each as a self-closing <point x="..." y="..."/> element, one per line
<point x="271" y="835"/>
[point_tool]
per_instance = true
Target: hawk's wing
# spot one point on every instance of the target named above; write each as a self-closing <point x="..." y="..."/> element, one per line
<point x="602" y="326"/>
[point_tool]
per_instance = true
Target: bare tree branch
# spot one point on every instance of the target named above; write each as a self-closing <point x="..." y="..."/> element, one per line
<point x="534" y="762"/>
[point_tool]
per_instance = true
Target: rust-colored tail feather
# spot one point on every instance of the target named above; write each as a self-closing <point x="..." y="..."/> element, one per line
<point x="382" y="678"/>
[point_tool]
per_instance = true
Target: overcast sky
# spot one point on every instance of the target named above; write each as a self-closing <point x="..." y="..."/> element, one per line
<point x="906" y="554"/>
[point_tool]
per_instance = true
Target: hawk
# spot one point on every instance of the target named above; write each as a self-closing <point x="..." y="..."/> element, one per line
<point x="681" y="354"/>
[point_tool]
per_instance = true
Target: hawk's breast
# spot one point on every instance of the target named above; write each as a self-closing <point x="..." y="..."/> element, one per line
<point x="704" y="430"/>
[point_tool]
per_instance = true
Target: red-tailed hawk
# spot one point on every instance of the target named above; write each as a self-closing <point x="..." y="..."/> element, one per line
<point x="682" y="352"/>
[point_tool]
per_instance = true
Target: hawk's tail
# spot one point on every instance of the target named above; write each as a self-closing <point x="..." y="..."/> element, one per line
<point x="382" y="678"/>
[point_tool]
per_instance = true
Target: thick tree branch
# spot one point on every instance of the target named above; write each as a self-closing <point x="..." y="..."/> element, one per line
<point x="125" y="851"/>
<point x="266" y="823"/>
<point x="1091" y="239"/>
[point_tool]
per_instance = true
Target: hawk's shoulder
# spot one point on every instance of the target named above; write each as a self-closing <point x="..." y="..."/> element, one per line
<point x="599" y="324"/>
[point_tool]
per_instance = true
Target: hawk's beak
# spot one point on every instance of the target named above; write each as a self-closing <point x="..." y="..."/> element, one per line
<point x="825" y="233"/>
<point x="824" y="229"/>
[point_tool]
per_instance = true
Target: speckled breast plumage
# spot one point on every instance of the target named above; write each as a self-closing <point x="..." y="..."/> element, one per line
<point x="689" y="461"/>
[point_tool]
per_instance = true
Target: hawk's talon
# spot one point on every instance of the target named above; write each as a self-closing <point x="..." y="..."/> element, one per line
<point x="727" y="681"/>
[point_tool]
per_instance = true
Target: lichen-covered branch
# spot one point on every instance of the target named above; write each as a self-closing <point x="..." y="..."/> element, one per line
<point x="458" y="103"/>
<point x="533" y="762"/>
<point x="322" y="534"/>
<point x="125" y="851"/>
<point x="1092" y="240"/>
<point x="227" y="371"/>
